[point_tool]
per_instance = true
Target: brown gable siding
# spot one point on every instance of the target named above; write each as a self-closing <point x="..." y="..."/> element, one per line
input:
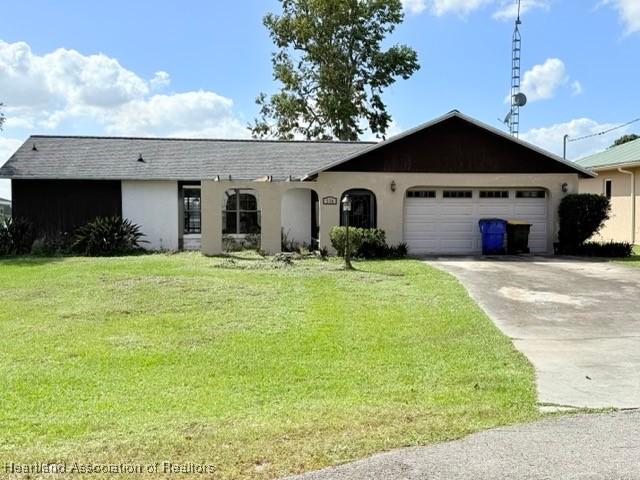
<point x="56" y="206"/>
<point x="453" y="146"/>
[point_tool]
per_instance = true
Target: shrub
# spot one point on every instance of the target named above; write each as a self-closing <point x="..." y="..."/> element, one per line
<point x="107" y="236"/>
<point x="581" y="217"/>
<point x="232" y="243"/>
<point x="51" y="245"/>
<point x="608" y="250"/>
<point x="16" y="237"/>
<point x="399" y="251"/>
<point x="374" y="244"/>
<point x="365" y="243"/>
<point x="338" y="236"/>
<point x="287" y="244"/>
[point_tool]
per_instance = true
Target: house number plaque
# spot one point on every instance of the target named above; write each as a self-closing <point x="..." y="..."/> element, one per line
<point x="329" y="201"/>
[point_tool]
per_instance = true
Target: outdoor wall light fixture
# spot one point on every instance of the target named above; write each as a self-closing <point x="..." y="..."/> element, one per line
<point x="393" y="185"/>
<point x="346" y="208"/>
<point x="565" y="187"/>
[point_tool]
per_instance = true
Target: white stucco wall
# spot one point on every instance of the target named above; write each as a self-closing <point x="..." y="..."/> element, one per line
<point x="390" y="204"/>
<point x="296" y="215"/>
<point x="154" y="206"/>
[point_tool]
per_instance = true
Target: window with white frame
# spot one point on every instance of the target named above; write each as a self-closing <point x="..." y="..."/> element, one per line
<point x="241" y="215"/>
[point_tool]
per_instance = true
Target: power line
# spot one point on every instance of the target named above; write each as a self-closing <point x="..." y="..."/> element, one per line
<point x="604" y="132"/>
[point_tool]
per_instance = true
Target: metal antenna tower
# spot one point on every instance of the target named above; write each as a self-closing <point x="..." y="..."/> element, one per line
<point x="516" y="99"/>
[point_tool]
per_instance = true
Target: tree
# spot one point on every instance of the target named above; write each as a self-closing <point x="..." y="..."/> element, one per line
<point x="332" y="68"/>
<point x="625" y="139"/>
<point x="581" y="216"/>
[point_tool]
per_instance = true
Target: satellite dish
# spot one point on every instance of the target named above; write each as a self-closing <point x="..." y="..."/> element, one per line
<point x="520" y="99"/>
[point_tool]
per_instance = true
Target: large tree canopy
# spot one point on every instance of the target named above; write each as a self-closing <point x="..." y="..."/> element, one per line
<point x="625" y="139"/>
<point x="332" y="68"/>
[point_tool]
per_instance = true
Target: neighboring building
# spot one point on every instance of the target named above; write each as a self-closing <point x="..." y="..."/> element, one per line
<point x="5" y="209"/>
<point x="618" y="170"/>
<point x="427" y="187"/>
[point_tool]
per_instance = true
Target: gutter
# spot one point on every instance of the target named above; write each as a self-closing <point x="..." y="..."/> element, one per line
<point x="633" y="202"/>
<point x="615" y="166"/>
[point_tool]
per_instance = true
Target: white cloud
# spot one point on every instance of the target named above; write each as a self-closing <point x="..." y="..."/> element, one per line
<point x="7" y="147"/>
<point x="443" y="7"/>
<point x="160" y="80"/>
<point x="64" y="76"/>
<point x="629" y="11"/>
<point x="542" y="81"/>
<point x="414" y="6"/>
<point x="508" y="9"/>
<point x="64" y="86"/>
<point x="551" y="138"/>
<point x="576" y="88"/>
<point x="190" y="114"/>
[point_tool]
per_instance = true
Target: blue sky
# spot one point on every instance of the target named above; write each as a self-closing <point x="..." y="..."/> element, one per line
<point x="194" y="68"/>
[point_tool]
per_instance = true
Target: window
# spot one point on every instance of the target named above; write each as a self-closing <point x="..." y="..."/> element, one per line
<point x="457" y="194"/>
<point x="241" y="215"/>
<point x="421" y="194"/>
<point x="530" y="194"/>
<point x="494" y="194"/>
<point x="363" y="209"/>
<point x="608" y="188"/>
<point x="192" y="210"/>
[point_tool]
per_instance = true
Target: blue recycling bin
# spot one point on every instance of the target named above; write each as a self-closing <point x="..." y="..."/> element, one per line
<point x="493" y="231"/>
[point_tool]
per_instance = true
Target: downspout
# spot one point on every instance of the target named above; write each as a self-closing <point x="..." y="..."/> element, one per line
<point x="633" y="202"/>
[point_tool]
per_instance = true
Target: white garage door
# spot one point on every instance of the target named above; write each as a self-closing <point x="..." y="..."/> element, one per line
<point x="445" y="221"/>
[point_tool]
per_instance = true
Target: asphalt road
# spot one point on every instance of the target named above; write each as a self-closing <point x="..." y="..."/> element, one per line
<point x="584" y="447"/>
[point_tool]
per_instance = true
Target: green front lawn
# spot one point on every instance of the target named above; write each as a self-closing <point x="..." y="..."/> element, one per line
<point x="259" y="368"/>
<point x="634" y="259"/>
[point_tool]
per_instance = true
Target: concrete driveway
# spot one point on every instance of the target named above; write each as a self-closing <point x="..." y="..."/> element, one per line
<point x="577" y="321"/>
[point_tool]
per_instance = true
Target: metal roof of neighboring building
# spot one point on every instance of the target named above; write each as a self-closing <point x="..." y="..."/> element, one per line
<point x="624" y="154"/>
<point x="71" y="157"/>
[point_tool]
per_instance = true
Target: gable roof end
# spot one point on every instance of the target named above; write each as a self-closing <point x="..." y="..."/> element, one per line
<point x="454" y="114"/>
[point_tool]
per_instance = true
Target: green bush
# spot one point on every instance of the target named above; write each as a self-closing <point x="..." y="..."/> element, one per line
<point x="607" y="250"/>
<point x="399" y="251"/>
<point x="374" y="244"/>
<point x="106" y="236"/>
<point x="52" y="245"/>
<point x="581" y="217"/>
<point x="365" y="243"/>
<point x="16" y="237"/>
<point x="338" y="236"/>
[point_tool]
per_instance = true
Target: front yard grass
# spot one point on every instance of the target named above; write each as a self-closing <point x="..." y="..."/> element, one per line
<point x="634" y="259"/>
<point x="256" y="367"/>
